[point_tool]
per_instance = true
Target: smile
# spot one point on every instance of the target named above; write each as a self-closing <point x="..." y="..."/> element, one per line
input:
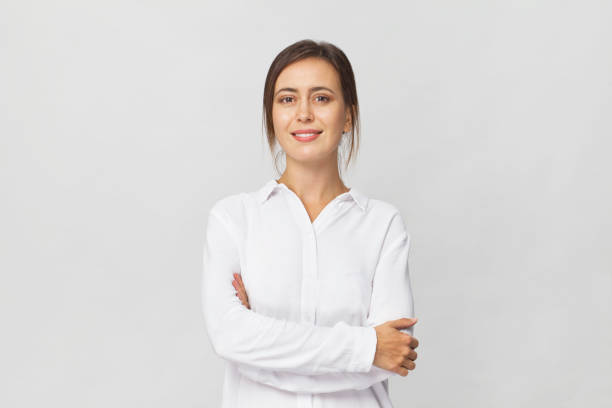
<point x="306" y="137"/>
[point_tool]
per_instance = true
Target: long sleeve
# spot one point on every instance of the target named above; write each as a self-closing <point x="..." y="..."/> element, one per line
<point x="391" y="299"/>
<point x="240" y="335"/>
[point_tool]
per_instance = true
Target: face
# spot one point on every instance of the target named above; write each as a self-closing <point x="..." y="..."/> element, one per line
<point x="308" y="97"/>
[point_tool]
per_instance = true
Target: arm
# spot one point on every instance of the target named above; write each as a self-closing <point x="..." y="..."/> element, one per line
<point x="391" y="299"/>
<point x="240" y="335"/>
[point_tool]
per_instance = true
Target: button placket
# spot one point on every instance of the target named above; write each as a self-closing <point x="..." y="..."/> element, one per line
<point x="309" y="274"/>
<point x="310" y="283"/>
<point x="309" y="277"/>
<point x="309" y="287"/>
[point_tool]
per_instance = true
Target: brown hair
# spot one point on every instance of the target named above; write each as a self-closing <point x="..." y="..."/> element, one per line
<point x="332" y="54"/>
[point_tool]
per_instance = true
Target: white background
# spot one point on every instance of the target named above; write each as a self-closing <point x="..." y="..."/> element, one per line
<point x="487" y="123"/>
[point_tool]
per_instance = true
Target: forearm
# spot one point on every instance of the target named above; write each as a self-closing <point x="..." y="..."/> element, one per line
<point x="391" y="299"/>
<point x="323" y="383"/>
<point x="262" y="342"/>
<point x="244" y="336"/>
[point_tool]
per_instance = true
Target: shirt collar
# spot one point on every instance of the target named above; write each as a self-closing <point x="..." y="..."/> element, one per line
<point x="264" y="193"/>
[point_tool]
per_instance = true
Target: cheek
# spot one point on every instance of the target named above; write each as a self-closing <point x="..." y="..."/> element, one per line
<point x="333" y="118"/>
<point x="281" y="120"/>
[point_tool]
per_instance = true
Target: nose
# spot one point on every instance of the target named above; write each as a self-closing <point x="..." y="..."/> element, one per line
<point x="304" y="117"/>
<point x="304" y="113"/>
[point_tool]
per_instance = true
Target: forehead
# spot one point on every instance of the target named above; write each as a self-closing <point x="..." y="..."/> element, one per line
<point x="308" y="72"/>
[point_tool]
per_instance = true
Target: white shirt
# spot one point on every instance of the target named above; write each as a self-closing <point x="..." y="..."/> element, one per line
<point x="316" y="291"/>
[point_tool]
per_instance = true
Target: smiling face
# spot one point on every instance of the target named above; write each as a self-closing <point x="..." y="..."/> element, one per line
<point x="308" y="97"/>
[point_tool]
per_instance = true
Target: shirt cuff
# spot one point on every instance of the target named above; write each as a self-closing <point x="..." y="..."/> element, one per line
<point x="364" y="350"/>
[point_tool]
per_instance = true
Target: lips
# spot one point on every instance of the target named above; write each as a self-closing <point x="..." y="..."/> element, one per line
<point x="306" y="132"/>
<point x="306" y="135"/>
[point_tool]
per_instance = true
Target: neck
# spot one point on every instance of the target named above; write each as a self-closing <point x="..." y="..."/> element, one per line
<point x="313" y="183"/>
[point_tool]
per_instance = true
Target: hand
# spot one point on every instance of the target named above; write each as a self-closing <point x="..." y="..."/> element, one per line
<point x="240" y="290"/>
<point x="394" y="348"/>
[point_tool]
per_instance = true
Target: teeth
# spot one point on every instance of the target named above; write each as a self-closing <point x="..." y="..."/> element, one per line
<point x="304" y="134"/>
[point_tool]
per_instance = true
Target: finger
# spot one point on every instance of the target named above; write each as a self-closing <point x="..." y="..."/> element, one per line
<point x="238" y="280"/>
<point x="414" y="343"/>
<point x="242" y="299"/>
<point x="242" y="290"/>
<point x="409" y="365"/>
<point x="236" y="285"/>
<point x="402" y="323"/>
<point x="412" y="355"/>
<point x="402" y="371"/>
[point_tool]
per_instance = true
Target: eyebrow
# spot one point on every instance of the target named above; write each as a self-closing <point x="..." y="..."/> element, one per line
<point x="313" y="89"/>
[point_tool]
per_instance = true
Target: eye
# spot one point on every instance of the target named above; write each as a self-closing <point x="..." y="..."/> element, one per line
<point x="325" y="98"/>
<point x="282" y="99"/>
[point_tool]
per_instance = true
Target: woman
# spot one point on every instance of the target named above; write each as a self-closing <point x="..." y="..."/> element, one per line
<point x="327" y="317"/>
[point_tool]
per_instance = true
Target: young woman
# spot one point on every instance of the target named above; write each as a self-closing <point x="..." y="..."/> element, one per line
<point x="306" y="291"/>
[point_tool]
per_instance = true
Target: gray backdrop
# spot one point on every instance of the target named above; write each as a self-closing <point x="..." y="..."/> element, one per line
<point x="486" y="122"/>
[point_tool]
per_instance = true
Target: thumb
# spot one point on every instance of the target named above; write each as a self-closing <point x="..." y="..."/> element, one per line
<point x="403" y="322"/>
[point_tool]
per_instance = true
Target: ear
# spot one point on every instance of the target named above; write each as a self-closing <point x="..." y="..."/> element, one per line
<point x="348" y="122"/>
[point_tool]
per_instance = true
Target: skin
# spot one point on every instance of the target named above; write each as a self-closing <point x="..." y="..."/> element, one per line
<point x="312" y="174"/>
<point x="312" y="169"/>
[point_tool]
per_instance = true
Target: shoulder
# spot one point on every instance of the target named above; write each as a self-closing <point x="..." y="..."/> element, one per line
<point x="233" y="208"/>
<point x="389" y="216"/>
<point x="383" y="209"/>
<point x="227" y="205"/>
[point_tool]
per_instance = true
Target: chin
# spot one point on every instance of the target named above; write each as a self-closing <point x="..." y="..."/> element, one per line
<point x="308" y="155"/>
